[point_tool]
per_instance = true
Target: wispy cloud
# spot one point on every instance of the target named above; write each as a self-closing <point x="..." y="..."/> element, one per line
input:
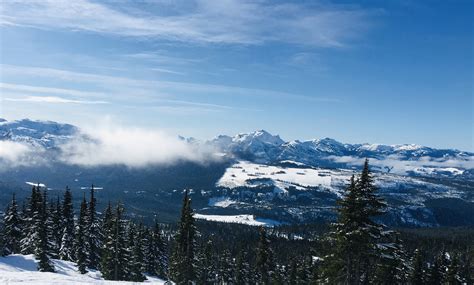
<point x="152" y="88"/>
<point x="53" y="100"/>
<point x="202" y="21"/>
<point x="48" y="90"/>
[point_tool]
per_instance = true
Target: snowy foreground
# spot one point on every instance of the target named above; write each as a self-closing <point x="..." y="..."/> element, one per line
<point x="21" y="269"/>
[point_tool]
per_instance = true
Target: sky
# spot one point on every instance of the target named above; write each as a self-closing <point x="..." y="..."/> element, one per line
<point x="387" y="72"/>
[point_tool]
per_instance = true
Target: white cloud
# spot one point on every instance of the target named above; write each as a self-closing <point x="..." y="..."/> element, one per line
<point x="48" y="90"/>
<point x="136" y="88"/>
<point x="133" y="147"/>
<point x="402" y="166"/>
<point x="14" y="154"/>
<point x="53" y="100"/>
<point x="202" y="21"/>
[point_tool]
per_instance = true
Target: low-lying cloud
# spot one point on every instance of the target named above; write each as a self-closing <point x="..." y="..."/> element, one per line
<point x="132" y="147"/>
<point x="397" y="165"/>
<point x="14" y="154"/>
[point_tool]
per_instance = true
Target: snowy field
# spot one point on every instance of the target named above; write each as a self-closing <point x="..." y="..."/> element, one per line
<point x="246" y="174"/>
<point x="21" y="269"/>
<point x="238" y="219"/>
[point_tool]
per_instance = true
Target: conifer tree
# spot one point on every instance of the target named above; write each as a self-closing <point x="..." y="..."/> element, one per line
<point x="356" y="238"/>
<point x="118" y="246"/>
<point x="452" y="273"/>
<point x="42" y="248"/>
<point x="136" y="254"/>
<point x="264" y="263"/>
<point x="207" y="270"/>
<point x="93" y="233"/>
<point x="436" y="276"/>
<point x="417" y="275"/>
<point x="392" y="267"/>
<point x="183" y="263"/>
<point x="66" y="251"/>
<point x="12" y="229"/>
<point x="81" y="239"/>
<point x="31" y="225"/>
<point x="106" y="258"/>
<point x="54" y="233"/>
<point x="241" y="269"/>
<point x="156" y="259"/>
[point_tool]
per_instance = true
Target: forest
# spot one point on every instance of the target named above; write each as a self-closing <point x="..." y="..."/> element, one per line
<point x="355" y="249"/>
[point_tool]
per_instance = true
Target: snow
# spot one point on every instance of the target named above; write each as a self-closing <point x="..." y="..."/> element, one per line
<point x="222" y="202"/>
<point x="242" y="173"/>
<point x="35" y="184"/>
<point x="238" y="219"/>
<point x="21" y="269"/>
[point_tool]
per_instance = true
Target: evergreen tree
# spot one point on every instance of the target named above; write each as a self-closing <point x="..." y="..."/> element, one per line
<point x="32" y="216"/>
<point x="183" y="262"/>
<point x="452" y="274"/>
<point x="436" y="275"/>
<point x="355" y="241"/>
<point x="136" y="254"/>
<point x="207" y="267"/>
<point x="264" y="263"/>
<point x="42" y="248"/>
<point x="66" y="251"/>
<point x="156" y="259"/>
<point x="106" y="258"/>
<point x="392" y="267"/>
<point x="54" y="234"/>
<point x="118" y="247"/>
<point x="241" y="269"/>
<point x="417" y="275"/>
<point x="12" y="229"/>
<point x="81" y="239"/>
<point x="93" y="233"/>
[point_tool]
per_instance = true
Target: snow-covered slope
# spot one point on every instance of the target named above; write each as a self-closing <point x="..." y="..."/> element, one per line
<point x="21" y="269"/>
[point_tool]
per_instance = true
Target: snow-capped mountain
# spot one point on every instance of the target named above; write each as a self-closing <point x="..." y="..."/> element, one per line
<point x="262" y="147"/>
<point x="255" y="173"/>
<point x="46" y="134"/>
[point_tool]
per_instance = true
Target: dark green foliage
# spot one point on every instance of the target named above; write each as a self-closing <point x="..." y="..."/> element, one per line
<point x="66" y="251"/>
<point x="81" y="239"/>
<point x="42" y="249"/>
<point x="264" y="261"/>
<point x="183" y="262"/>
<point x="93" y="233"/>
<point x="418" y="271"/>
<point x="12" y="229"/>
<point x="156" y="258"/>
<point x="358" y="242"/>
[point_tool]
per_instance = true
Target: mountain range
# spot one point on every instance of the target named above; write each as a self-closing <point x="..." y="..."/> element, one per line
<point x="256" y="173"/>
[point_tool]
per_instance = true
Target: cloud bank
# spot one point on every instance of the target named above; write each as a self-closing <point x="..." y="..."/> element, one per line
<point x="133" y="147"/>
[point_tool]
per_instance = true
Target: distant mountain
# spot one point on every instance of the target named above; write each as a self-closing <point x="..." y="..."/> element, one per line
<point x="262" y="147"/>
<point x="256" y="174"/>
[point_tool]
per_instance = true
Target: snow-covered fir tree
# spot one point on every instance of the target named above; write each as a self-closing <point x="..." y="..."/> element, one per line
<point x="31" y="222"/>
<point x="357" y="240"/>
<point x="94" y="234"/>
<point x="183" y="264"/>
<point x="12" y="229"/>
<point x="264" y="261"/>
<point x="66" y="251"/>
<point x="42" y="249"/>
<point x="81" y="239"/>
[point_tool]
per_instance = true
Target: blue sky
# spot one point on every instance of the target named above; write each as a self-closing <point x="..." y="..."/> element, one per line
<point x="368" y="71"/>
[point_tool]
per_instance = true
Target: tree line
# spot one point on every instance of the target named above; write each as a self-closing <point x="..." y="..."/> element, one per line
<point x="121" y="249"/>
<point x="356" y="250"/>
